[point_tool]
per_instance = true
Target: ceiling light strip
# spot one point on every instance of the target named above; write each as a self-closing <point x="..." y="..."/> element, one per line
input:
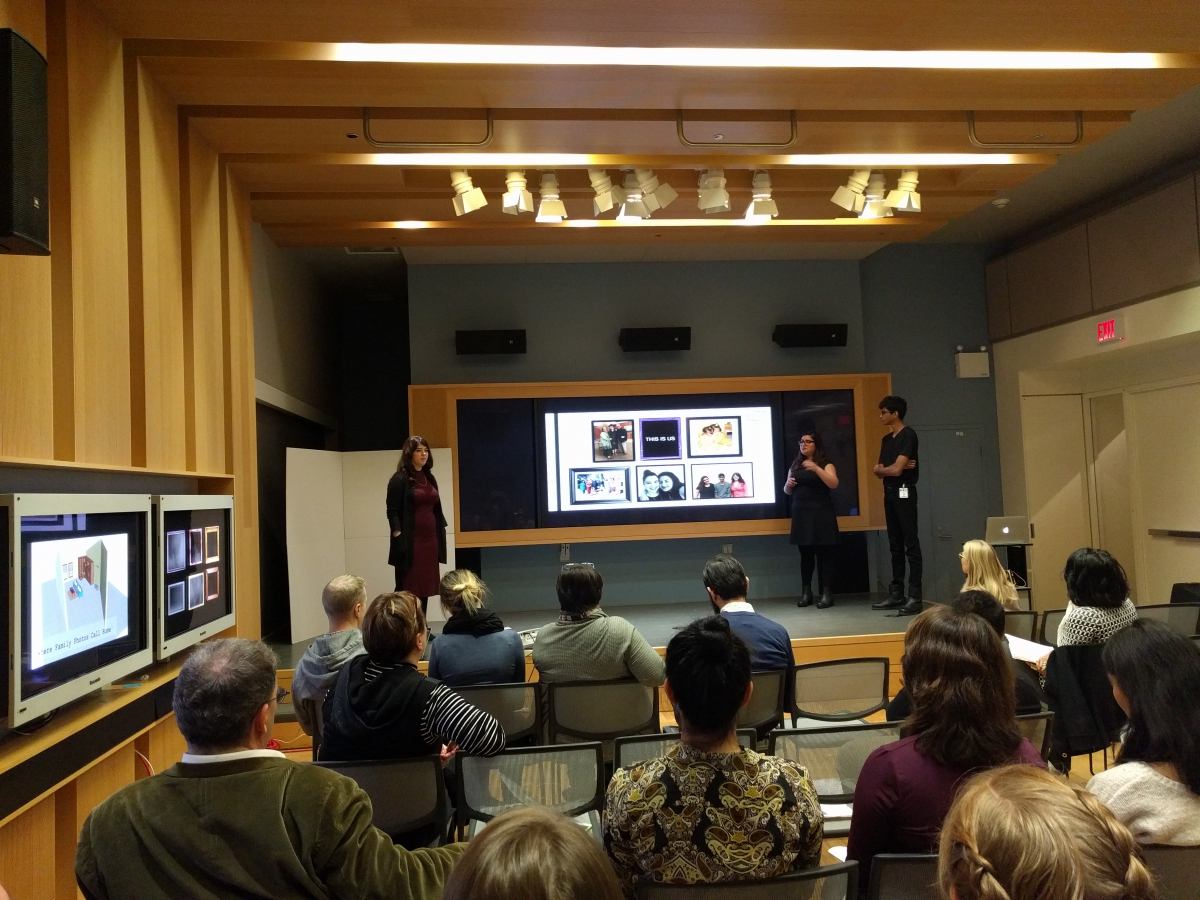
<point x="416" y="225"/>
<point x="586" y="160"/>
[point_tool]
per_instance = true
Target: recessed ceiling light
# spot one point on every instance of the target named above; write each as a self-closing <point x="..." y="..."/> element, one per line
<point x="718" y="137"/>
<point x="1000" y="202"/>
<point x="351" y="135"/>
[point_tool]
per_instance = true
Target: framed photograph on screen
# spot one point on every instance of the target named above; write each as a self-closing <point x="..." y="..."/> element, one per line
<point x="195" y="591"/>
<point x="196" y="547"/>
<point x="661" y="483"/>
<point x="599" y="486"/>
<point x="212" y="544"/>
<point x="612" y="441"/>
<point x="715" y="436"/>
<point x="726" y="481"/>
<point x="175" y="597"/>
<point x="660" y="439"/>
<point x="212" y="583"/>
<point x="177" y="557"/>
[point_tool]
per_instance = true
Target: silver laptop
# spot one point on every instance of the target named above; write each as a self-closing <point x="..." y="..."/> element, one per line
<point x="1003" y="530"/>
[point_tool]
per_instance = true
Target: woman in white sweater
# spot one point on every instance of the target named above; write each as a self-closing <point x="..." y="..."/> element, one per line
<point x="1155" y="787"/>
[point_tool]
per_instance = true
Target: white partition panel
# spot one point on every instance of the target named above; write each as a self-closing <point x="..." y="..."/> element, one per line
<point x="315" y="535"/>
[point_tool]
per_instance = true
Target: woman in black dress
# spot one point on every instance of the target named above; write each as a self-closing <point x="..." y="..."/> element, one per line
<point x="414" y="511"/>
<point x="811" y="480"/>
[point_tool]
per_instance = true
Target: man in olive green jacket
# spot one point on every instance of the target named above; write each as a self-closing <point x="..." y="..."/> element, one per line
<point x="234" y="819"/>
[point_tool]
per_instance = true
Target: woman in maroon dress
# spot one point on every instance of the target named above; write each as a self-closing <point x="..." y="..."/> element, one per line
<point x="414" y="511"/>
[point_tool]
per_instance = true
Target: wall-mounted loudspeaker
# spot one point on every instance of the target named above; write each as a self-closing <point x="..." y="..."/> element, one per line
<point x="24" y="148"/>
<point x="639" y="339"/>
<point x="832" y="335"/>
<point x="473" y="343"/>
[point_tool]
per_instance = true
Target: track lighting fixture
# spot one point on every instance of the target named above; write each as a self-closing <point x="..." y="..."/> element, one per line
<point x="905" y="196"/>
<point x="875" y="207"/>
<point x="762" y="208"/>
<point x="850" y="196"/>
<point x="467" y="197"/>
<point x="713" y="198"/>
<point x="654" y="194"/>
<point x="517" y="199"/>
<point x="634" y="206"/>
<point x="607" y="196"/>
<point x="550" y="209"/>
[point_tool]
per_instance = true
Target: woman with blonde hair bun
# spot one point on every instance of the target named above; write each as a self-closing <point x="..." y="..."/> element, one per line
<point x="1020" y="833"/>
<point x="474" y="646"/>
<point x="984" y="573"/>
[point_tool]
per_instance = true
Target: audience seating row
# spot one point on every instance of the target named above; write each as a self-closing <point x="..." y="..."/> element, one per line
<point x="1183" y="618"/>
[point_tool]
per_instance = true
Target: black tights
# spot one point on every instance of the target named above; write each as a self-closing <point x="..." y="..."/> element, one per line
<point x="821" y="559"/>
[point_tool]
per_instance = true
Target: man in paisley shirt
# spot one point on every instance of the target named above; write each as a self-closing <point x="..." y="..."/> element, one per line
<point x="710" y="810"/>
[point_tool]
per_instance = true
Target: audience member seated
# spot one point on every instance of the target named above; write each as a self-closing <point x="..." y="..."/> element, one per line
<point x="1098" y="604"/>
<point x="585" y="644"/>
<point x="1155" y="787"/>
<point x="984" y="573"/>
<point x="1018" y="833"/>
<point x="533" y="853"/>
<point x="234" y="819"/>
<point x="1029" y="695"/>
<point x="383" y="708"/>
<point x="345" y="601"/>
<point x="960" y="685"/>
<point x="474" y="647"/>
<point x="710" y="810"/>
<point x="727" y="585"/>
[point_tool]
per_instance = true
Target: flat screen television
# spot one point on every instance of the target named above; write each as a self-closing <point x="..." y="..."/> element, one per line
<point x="193" y="569"/>
<point x="78" y="593"/>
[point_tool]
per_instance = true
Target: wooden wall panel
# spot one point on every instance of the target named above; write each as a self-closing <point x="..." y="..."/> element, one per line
<point x="1146" y="247"/>
<point x="207" y="325"/>
<point x="27" y="360"/>
<point x="998" y="308"/>
<point x="99" y="246"/>
<point x="162" y="745"/>
<point x="162" y="276"/>
<point x="1050" y="281"/>
<point x="74" y="802"/>
<point x="27" y="18"/>
<point x="27" y="853"/>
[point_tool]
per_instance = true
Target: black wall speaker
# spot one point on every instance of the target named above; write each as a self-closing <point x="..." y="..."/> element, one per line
<point x="472" y="343"/>
<point x="639" y="339"/>
<point x="24" y="148"/>
<point x="832" y="335"/>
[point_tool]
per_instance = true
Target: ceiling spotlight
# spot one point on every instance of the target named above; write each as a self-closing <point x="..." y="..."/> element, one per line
<point x="516" y="198"/>
<point x="607" y="196"/>
<point x="634" y="207"/>
<point x="875" y="206"/>
<point x="654" y="195"/>
<point x="550" y="209"/>
<point x="850" y="196"/>
<point x="905" y="196"/>
<point x="713" y="198"/>
<point x="762" y="208"/>
<point x="467" y="197"/>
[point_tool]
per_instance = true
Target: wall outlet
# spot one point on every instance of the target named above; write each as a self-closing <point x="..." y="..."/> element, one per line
<point x="727" y="549"/>
<point x="564" y="552"/>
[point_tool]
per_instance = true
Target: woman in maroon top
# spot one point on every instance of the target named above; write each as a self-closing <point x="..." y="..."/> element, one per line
<point x="963" y="720"/>
<point x="414" y="510"/>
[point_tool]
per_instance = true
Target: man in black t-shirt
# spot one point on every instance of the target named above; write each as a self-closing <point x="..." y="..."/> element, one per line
<point x="899" y="469"/>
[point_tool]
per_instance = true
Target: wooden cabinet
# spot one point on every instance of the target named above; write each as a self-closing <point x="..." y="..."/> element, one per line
<point x="1050" y="281"/>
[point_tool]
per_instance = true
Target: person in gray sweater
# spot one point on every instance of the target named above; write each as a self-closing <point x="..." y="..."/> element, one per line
<point x="586" y="644"/>
<point x="345" y="602"/>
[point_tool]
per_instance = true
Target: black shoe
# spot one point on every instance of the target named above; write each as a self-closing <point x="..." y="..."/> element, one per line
<point x="805" y="598"/>
<point x="894" y="600"/>
<point x="912" y="607"/>
<point x="826" y="600"/>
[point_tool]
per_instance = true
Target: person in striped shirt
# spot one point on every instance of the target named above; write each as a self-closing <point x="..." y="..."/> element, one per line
<point x="383" y="708"/>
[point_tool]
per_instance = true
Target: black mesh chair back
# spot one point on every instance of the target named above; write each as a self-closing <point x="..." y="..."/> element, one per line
<point x="840" y="690"/>
<point x="825" y="883"/>
<point x="1022" y="623"/>
<point x="567" y="777"/>
<point x="765" y="709"/>
<point x="407" y="795"/>
<point x="1048" y="631"/>
<point x="1037" y="729"/>
<point x="833" y="755"/>
<point x="1176" y="871"/>
<point x="903" y="876"/>
<point x="629" y="751"/>
<point x="517" y="707"/>
<point x="1182" y="618"/>
<point x="601" y="710"/>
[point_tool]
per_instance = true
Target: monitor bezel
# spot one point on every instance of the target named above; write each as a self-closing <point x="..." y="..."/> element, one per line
<point x="164" y="647"/>
<point x="20" y="710"/>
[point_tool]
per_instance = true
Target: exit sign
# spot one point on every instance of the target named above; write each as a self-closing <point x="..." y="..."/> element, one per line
<point x="1110" y="330"/>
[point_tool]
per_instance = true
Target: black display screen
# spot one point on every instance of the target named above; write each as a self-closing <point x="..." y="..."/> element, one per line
<point x="497" y="474"/>
<point x="196" y="588"/>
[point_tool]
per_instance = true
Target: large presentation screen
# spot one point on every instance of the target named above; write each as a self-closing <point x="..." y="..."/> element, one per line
<point x="660" y="459"/>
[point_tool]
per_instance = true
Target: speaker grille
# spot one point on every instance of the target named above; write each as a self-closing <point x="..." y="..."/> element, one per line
<point x="24" y="147"/>
<point x="640" y="340"/>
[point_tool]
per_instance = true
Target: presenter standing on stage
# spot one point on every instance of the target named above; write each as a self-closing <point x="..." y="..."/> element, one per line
<point x="899" y="471"/>
<point x="811" y="480"/>
<point x="414" y="511"/>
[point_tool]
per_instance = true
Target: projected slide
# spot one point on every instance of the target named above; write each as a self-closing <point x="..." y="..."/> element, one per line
<point x="83" y="588"/>
<point x="639" y="459"/>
